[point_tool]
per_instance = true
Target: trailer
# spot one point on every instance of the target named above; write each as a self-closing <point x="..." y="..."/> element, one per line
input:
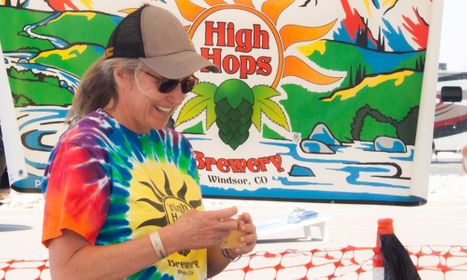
<point x="450" y="126"/>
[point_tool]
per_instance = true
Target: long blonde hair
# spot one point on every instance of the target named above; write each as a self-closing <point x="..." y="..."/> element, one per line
<point x="98" y="87"/>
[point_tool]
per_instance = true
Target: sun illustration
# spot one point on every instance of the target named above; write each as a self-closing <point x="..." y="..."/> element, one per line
<point x="162" y="194"/>
<point x="250" y="49"/>
<point x="268" y="16"/>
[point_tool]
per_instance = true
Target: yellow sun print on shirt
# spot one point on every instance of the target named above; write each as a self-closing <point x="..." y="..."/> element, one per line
<point x="159" y="194"/>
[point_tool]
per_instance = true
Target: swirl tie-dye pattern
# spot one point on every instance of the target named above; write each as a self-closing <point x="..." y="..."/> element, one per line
<point x="110" y="185"/>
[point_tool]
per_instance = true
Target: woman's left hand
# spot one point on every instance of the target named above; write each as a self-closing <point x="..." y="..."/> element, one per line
<point x="245" y="224"/>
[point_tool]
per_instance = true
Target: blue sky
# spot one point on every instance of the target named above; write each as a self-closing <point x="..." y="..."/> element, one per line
<point x="453" y="47"/>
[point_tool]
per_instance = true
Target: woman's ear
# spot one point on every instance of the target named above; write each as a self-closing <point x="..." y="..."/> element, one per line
<point x="120" y="76"/>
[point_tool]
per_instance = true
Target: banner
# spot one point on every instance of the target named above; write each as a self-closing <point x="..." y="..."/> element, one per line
<point x="316" y="100"/>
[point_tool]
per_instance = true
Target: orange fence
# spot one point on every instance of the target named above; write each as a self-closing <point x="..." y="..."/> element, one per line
<point x="432" y="262"/>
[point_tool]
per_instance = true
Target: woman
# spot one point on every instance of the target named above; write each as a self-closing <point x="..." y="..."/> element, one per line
<point x="122" y="189"/>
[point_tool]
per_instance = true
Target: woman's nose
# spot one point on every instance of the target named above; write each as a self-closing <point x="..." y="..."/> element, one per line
<point x="176" y="95"/>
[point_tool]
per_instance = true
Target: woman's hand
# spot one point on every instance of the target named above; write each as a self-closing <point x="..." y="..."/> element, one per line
<point x="245" y="224"/>
<point x="219" y="258"/>
<point x="198" y="229"/>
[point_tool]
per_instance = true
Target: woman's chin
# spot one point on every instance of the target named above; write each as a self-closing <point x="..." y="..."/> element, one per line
<point x="160" y="124"/>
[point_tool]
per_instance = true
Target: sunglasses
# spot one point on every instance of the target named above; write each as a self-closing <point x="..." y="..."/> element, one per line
<point x="168" y="85"/>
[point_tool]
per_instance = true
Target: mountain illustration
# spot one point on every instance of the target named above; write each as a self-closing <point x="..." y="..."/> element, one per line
<point x="65" y="43"/>
<point x="387" y="84"/>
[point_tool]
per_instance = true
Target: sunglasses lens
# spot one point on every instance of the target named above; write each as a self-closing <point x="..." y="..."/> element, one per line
<point x="167" y="86"/>
<point x="188" y="84"/>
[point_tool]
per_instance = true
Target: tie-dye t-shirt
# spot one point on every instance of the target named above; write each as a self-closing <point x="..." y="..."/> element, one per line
<point x="110" y="185"/>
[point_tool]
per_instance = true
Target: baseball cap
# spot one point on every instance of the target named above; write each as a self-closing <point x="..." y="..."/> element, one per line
<point x="159" y="40"/>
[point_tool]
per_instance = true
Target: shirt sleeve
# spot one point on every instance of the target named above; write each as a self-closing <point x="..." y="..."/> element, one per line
<point x="77" y="192"/>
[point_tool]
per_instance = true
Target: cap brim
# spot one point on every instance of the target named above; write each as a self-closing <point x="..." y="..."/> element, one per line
<point x="179" y="65"/>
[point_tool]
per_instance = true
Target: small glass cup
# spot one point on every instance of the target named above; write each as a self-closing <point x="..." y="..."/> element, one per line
<point x="232" y="240"/>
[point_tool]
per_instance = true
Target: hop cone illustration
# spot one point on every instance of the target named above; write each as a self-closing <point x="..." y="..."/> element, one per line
<point x="234" y="107"/>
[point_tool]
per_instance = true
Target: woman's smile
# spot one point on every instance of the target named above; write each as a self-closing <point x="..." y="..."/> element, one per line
<point x="162" y="109"/>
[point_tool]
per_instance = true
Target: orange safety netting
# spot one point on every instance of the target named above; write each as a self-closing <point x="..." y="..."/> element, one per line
<point x="432" y="262"/>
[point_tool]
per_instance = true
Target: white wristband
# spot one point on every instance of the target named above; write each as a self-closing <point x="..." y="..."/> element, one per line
<point x="157" y="245"/>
